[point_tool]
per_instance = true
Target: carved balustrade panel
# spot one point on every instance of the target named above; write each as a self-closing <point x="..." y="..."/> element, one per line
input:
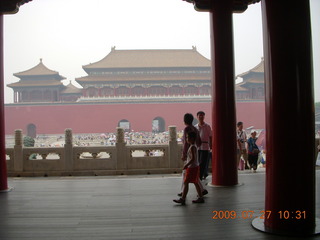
<point x="147" y="156"/>
<point x="33" y="153"/>
<point x="94" y="155"/>
<point x="148" y="152"/>
<point x="94" y="158"/>
<point x="43" y="159"/>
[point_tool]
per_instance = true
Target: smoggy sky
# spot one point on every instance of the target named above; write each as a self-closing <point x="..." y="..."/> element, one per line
<point x="68" y="34"/>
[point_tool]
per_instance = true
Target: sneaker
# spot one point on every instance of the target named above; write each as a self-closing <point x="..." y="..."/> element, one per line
<point x="179" y="194"/>
<point x="199" y="200"/>
<point x="180" y="200"/>
<point x="204" y="192"/>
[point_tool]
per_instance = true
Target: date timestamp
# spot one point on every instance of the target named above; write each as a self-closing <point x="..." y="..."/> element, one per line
<point x="264" y="214"/>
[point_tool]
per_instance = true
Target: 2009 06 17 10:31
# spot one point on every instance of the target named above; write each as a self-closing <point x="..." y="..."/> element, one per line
<point x="263" y="214"/>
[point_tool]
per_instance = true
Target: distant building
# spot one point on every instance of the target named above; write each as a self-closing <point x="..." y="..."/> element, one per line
<point x="124" y="73"/>
<point x="133" y="73"/>
<point x="38" y="84"/>
<point x="140" y="90"/>
<point x="252" y="86"/>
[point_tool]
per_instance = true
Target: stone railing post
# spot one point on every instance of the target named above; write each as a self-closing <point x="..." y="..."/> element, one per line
<point x="18" y="151"/>
<point x="173" y="154"/>
<point x="68" y="151"/>
<point x="121" y="151"/>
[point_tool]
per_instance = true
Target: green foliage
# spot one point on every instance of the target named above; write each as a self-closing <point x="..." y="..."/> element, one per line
<point x="28" y="141"/>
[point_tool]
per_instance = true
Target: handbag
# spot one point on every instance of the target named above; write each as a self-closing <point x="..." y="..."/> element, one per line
<point x="255" y="149"/>
<point x="241" y="164"/>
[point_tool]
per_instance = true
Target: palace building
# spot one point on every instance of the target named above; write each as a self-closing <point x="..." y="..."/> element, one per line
<point x="38" y="84"/>
<point x="163" y="83"/>
<point x="124" y="73"/>
<point x="133" y="73"/>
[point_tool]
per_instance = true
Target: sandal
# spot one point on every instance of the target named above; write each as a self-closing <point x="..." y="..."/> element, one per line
<point x="180" y="200"/>
<point x="199" y="200"/>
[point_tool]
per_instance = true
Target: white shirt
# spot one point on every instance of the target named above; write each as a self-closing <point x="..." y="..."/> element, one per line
<point x="189" y="156"/>
<point x="205" y="134"/>
<point x="242" y="136"/>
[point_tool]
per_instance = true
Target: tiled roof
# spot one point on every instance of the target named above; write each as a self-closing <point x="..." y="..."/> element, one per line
<point x="249" y="82"/>
<point x="135" y="78"/>
<point x="257" y="69"/>
<point x="151" y="59"/>
<point x="36" y="83"/>
<point x="38" y="70"/>
<point x="71" y="89"/>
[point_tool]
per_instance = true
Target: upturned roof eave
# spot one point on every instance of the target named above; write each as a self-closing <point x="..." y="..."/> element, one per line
<point x="21" y="76"/>
<point x="256" y="69"/>
<point x="39" y="70"/>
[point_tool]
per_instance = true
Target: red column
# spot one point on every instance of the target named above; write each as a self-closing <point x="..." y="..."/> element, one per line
<point x="3" y="162"/>
<point x="224" y="169"/>
<point x="290" y="173"/>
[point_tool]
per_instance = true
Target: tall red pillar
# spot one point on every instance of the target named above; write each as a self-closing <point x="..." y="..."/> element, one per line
<point x="224" y="169"/>
<point x="290" y="123"/>
<point x="3" y="163"/>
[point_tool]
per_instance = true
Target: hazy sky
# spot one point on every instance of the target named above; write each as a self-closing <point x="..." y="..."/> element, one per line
<point x="68" y="34"/>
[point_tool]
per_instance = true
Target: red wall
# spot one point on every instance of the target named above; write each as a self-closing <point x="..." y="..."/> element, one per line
<point x="99" y="118"/>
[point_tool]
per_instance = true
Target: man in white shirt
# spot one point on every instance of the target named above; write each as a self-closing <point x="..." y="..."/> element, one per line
<point x="206" y="144"/>
<point x="241" y="145"/>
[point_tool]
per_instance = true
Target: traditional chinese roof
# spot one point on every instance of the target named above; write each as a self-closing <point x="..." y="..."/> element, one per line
<point x="257" y="69"/>
<point x="150" y="59"/>
<point x="252" y="77"/>
<point x="246" y="83"/>
<point x="146" y="78"/>
<point x="39" y="70"/>
<point x="38" y="76"/>
<point x="71" y="89"/>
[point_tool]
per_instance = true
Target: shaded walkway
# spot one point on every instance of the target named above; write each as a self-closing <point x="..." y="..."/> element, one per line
<point x="127" y="207"/>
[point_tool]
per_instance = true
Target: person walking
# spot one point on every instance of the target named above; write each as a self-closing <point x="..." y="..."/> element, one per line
<point x="191" y="167"/>
<point x="188" y="119"/>
<point x="241" y="145"/>
<point x="253" y="151"/>
<point x="206" y="144"/>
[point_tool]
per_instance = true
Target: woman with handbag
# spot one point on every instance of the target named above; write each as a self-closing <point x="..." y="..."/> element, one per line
<point x="253" y="151"/>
